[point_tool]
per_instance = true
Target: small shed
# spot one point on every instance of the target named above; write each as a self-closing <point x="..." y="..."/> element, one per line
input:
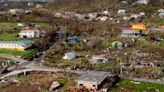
<point x="20" y="24"/>
<point x="98" y="59"/>
<point x="92" y="15"/>
<point x="73" y="39"/>
<point x="103" y="18"/>
<point x="121" y="11"/>
<point x="54" y="85"/>
<point x="161" y="14"/>
<point x="134" y="16"/>
<point x="105" y="12"/>
<point x="114" y="44"/>
<point x="70" y="55"/>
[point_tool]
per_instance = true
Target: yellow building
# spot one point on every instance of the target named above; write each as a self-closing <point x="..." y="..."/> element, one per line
<point x="138" y="27"/>
<point x="15" y="45"/>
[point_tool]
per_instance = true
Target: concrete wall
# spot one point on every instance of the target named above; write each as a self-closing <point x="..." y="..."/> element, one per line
<point x="87" y="84"/>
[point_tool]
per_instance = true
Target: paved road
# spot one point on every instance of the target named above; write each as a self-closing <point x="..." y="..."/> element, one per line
<point x="21" y="62"/>
<point x="145" y="80"/>
<point x="11" y="57"/>
<point x="43" y="69"/>
<point x="34" y="67"/>
<point x="31" y="66"/>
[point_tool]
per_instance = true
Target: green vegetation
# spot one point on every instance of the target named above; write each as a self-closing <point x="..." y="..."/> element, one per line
<point x="13" y="26"/>
<point x="82" y="5"/>
<point x="132" y="87"/>
<point x="6" y="26"/>
<point x="34" y="18"/>
<point x="44" y="25"/>
<point x="23" y="79"/>
<point x="24" y="54"/>
<point x="161" y="44"/>
<point x="161" y="23"/>
<point x="66" y="82"/>
<point x="29" y="54"/>
<point x="10" y="36"/>
<point x="142" y="43"/>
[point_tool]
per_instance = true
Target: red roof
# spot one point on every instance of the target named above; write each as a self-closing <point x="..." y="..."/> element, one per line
<point x="161" y="27"/>
<point x="23" y="30"/>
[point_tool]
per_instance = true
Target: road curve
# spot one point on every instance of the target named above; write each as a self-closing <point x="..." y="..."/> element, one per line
<point x="16" y="72"/>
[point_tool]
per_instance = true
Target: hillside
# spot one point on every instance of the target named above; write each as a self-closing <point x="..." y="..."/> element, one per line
<point x="82" y="5"/>
<point x="95" y="5"/>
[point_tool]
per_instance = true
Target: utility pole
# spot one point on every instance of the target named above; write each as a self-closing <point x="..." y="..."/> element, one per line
<point x="121" y="69"/>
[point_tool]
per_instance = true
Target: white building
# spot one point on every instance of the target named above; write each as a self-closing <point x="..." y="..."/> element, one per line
<point x="20" y="24"/>
<point x="143" y="1"/>
<point x="103" y="18"/>
<point x="130" y="33"/>
<point x="161" y="10"/>
<point x="135" y="16"/>
<point x="69" y="55"/>
<point x="105" y="12"/>
<point x="16" y="11"/>
<point x="29" y="33"/>
<point x="142" y="13"/>
<point x="121" y="11"/>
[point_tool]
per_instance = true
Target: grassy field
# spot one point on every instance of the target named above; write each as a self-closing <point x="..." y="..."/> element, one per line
<point x="8" y="26"/>
<point x="44" y="25"/>
<point x="24" y="54"/>
<point x="66" y="82"/>
<point x="161" y="23"/>
<point x="9" y="36"/>
<point x="129" y="86"/>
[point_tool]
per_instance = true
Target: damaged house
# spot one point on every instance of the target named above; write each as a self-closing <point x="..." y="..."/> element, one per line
<point x="99" y="59"/>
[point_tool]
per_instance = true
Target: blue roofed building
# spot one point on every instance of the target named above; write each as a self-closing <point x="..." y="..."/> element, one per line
<point x="161" y="14"/>
<point x="16" y="45"/>
<point x="73" y="39"/>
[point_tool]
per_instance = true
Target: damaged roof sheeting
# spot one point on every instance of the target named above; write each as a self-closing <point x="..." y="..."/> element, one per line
<point x="99" y="59"/>
<point x="92" y="79"/>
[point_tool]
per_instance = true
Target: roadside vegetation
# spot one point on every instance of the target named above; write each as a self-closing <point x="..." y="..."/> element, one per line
<point x="131" y="86"/>
<point x="39" y="82"/>
<point x="96" y="38"/>
<point x="24" y="54"/>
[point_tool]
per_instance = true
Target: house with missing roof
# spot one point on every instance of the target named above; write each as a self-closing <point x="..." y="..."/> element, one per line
<point x="99" y="59"/>
<point x="158" y="29"/>
<point x="135" y="31"/>
<point x="131" y="33"/>
<point x="92" y="80"/>
<point x="16" y="45"/>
